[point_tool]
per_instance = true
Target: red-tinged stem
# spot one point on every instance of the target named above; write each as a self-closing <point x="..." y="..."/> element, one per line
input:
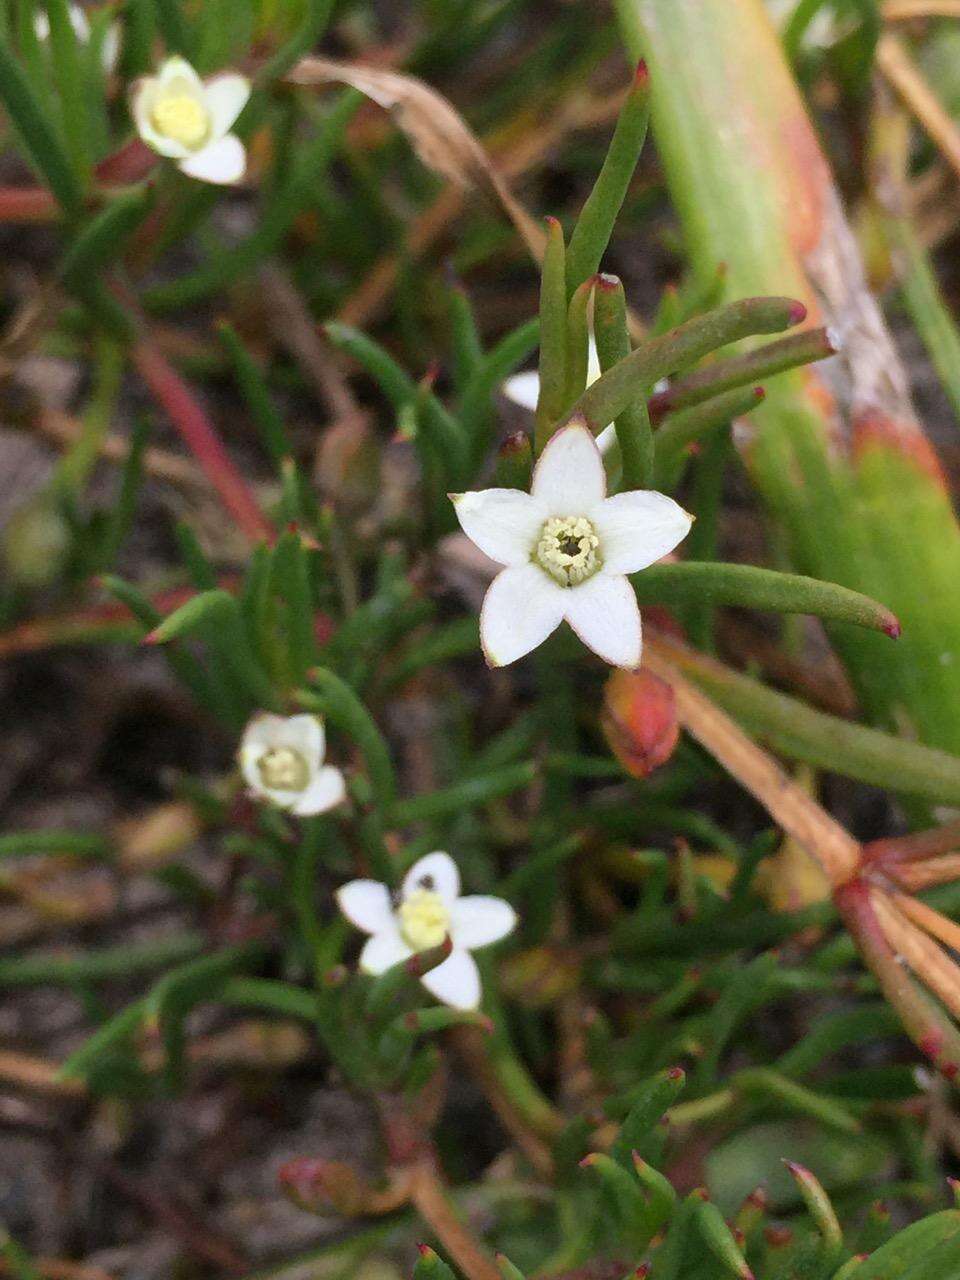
<point x="929" y="1029"/>
<point x="131" y="163"/>
<point x="187" y="415"/>
<point x="27" y="204"/>
<point x="922" y="844"/>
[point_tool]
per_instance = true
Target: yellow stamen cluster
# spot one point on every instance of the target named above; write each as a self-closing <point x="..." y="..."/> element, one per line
<point x="567" y="549"/>
<point x="284" y="769"/>
<point x="182" y="117"/>
<point x="424" y="919"/>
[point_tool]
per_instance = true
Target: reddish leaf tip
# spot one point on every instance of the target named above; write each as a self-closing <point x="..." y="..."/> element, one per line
<point x="759" y="393"/>
<point x="151" y="637"/>
<point x="797" y="312"/>
<point x="607" y="282"/>
<point x="893" y="628"/>
<point x="425" y="1251"/>
<point x="642" y="73"/>
<point x="676" y="1073"/>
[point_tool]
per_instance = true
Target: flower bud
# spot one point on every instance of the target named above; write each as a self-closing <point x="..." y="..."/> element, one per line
<point x="639" y="720"/>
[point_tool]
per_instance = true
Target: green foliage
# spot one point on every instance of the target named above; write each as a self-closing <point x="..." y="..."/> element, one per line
<point x="660" y="922"/>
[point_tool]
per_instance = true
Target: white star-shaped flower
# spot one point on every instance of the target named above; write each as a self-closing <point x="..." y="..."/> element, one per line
<point x="187" y="119"/>
<point x="567" y="549"/>
<point x="110" y="50"/>
<point x="281" y="758"/>
<point x="429" y="908"/>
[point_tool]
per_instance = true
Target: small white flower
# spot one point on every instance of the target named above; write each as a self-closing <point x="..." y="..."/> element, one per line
<point x="429" y="908"/>
<point x="281" y="758"/>
<point x="567" y="549"/>
<point x="110" y="49"/>
<point x="188" y="119"/>
<point x="524" y="389"/>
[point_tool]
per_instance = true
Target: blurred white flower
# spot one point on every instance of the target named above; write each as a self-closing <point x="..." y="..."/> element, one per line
<point x="567" y="549"/>
<point x="524" y="388"/>
<point x="429" y="908"/>
<point x="187" y="119"/>
<point x="281" y="758"/>
<point x="110" y="49"/>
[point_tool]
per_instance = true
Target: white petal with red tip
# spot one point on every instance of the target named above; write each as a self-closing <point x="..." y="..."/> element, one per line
<point x="503" y="523"/>
<point x="521" y="608"/>
<point x="569" y="478"/>
<point x="638" y="528"/>
<point x="604" y="613"/>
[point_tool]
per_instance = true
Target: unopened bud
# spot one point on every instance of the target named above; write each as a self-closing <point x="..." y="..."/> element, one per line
<point x="639" y="720"/>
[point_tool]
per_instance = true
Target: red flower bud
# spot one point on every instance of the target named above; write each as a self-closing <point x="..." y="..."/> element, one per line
<point x="639" y="720"/>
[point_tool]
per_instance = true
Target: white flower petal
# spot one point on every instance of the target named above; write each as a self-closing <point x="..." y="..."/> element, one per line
<point x="177" y="70"/>
<point x="304" y="733"/>
<point x="258" y="737"/>
<point x="569" y="477"/>
<point x="478" y="920"/>
<point x="222" y="161"/>
<point x="143" y="97"/>
<point x="638" y="528"/>
<point x="456" y="982"/>
<point x="437" y="872"/>
<point x="523" y="605"/>
<point x="523" y="389"/>
<point x="383" y="951"/>
<point x="593" y="361"/>
<point x="603" y="612"/>
<point x="366" y="903"/>
<point x="225" y="97"/>
<point x="607" y="439"/>
<point x="324" y="792"/>
<point x="503" y="523"/>
<point x="110" y="48"/>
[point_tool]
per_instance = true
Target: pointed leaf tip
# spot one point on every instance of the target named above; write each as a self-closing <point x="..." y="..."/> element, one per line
<point x="642" y="73"/>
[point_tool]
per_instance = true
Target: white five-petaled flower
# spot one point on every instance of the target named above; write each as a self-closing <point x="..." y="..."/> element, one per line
<point x="428" y="909"/>
<point x="567" y="549"/>
<point x="281" y="758"/>
<point x="109" y="50"/>
<point x="188" y="119"/>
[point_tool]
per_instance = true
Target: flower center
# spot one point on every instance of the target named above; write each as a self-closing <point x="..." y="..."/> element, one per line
<point x="284" y="769"/>
<point x="567" y="549"/>
<point x="181" y="117"/>
<point x="424" y="919"/>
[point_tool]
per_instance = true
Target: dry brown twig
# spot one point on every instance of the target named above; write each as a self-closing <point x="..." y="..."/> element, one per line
<point x="903" y="75"/>
<point x="900" y="938"/>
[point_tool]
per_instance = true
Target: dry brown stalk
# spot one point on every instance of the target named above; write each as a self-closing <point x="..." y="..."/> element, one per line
<point x="429" y="1197"/>
<point x="892" y="929"/>
<point x="899" y="69"/>
<point x="929" y="919"/>
<point x="796" y="811"/>
<point x="910" y="10"/>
